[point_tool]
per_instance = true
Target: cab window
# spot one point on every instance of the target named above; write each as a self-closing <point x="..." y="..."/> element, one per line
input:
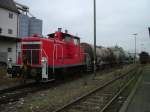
<point x="76" y="41"/>
<point x="67" y="38"/>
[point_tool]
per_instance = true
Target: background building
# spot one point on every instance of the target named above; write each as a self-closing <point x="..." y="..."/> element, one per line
<point x="8" y="18"/>
<point x="23" y="25"/>
<point x="29" y="26"/>
<point x="35" y="26"/>
<point x="8" y="30"/>
<point x="15" y="23"/>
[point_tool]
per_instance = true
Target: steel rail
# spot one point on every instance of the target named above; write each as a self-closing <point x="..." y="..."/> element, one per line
<point x="91" y="92"/>
<point x="25" y="89"/>
<point x="17" y="92"/>
<point x="116" y="96"/>
<point x="14" y="88"/>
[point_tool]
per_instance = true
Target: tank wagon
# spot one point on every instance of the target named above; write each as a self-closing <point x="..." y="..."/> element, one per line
<point x="119" y="55"/>
<point x="104" y="56"/>
<point x="107" y="56"/>
<point x="44" y="58"/>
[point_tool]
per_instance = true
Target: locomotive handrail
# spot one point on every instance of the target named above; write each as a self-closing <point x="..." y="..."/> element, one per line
<point x="42" y="51"/>
<point x="33" y="50"/>
<point x="86" y="54"/>
<point x="47" y="60"/>
<point x="45" y="53"/>
<point x="55" y="47"/>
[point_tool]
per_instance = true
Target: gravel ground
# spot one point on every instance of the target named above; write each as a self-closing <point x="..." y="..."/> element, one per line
<point x="53" y="98"/>
<point x="5" y="81"/>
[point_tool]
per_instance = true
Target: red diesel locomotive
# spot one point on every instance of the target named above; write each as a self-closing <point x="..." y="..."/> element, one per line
<point x="40" y="58"/>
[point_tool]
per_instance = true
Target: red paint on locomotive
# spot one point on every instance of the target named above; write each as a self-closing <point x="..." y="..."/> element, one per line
<point x="60" y="49"/>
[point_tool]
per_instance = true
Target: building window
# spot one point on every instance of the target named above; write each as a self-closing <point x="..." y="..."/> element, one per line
<point x="10" y="31"/>
<point x="0" y="30"/>
<point x="9" y="49"/>
<point x="10" y="15"/>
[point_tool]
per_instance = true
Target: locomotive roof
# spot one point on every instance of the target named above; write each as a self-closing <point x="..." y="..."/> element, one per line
<point x="64" y="34"/>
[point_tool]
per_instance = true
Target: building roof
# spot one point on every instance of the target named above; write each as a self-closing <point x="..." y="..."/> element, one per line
<point x="9" y="5"/>
<point x="6" y="38"/>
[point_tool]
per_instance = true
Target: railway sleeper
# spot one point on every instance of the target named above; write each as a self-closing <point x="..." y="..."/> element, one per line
<point x="101" y="100"/>
<point x="96" y="97"/>
<point x="91" y="104"/>
<point x="85" y="108"/>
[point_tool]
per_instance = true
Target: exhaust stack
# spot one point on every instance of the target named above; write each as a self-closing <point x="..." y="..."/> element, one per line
<point x="59" y="29"/>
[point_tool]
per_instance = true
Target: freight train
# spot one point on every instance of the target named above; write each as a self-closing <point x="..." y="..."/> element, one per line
<point x="144" y="57"/>
<point x="43" y="58"/>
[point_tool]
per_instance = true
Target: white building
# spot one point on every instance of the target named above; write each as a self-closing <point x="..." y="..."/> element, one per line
<point x="8" y="30"/>
<point x="15" y="24"/>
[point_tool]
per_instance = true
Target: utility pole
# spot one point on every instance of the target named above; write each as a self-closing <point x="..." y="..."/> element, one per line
<point x="142" y="47"/>
<point x="94" y="38"/>
<point x="135" y="47"/>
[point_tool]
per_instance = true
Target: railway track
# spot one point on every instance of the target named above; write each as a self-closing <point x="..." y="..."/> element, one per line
<point x="99" y="99"/>
<point x="117" y="102"/>
<point x="14" y="93"/>
<point x="13" y="88"/>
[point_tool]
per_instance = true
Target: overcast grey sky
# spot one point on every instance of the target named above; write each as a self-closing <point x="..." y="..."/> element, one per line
<point x="117" y="20"/>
